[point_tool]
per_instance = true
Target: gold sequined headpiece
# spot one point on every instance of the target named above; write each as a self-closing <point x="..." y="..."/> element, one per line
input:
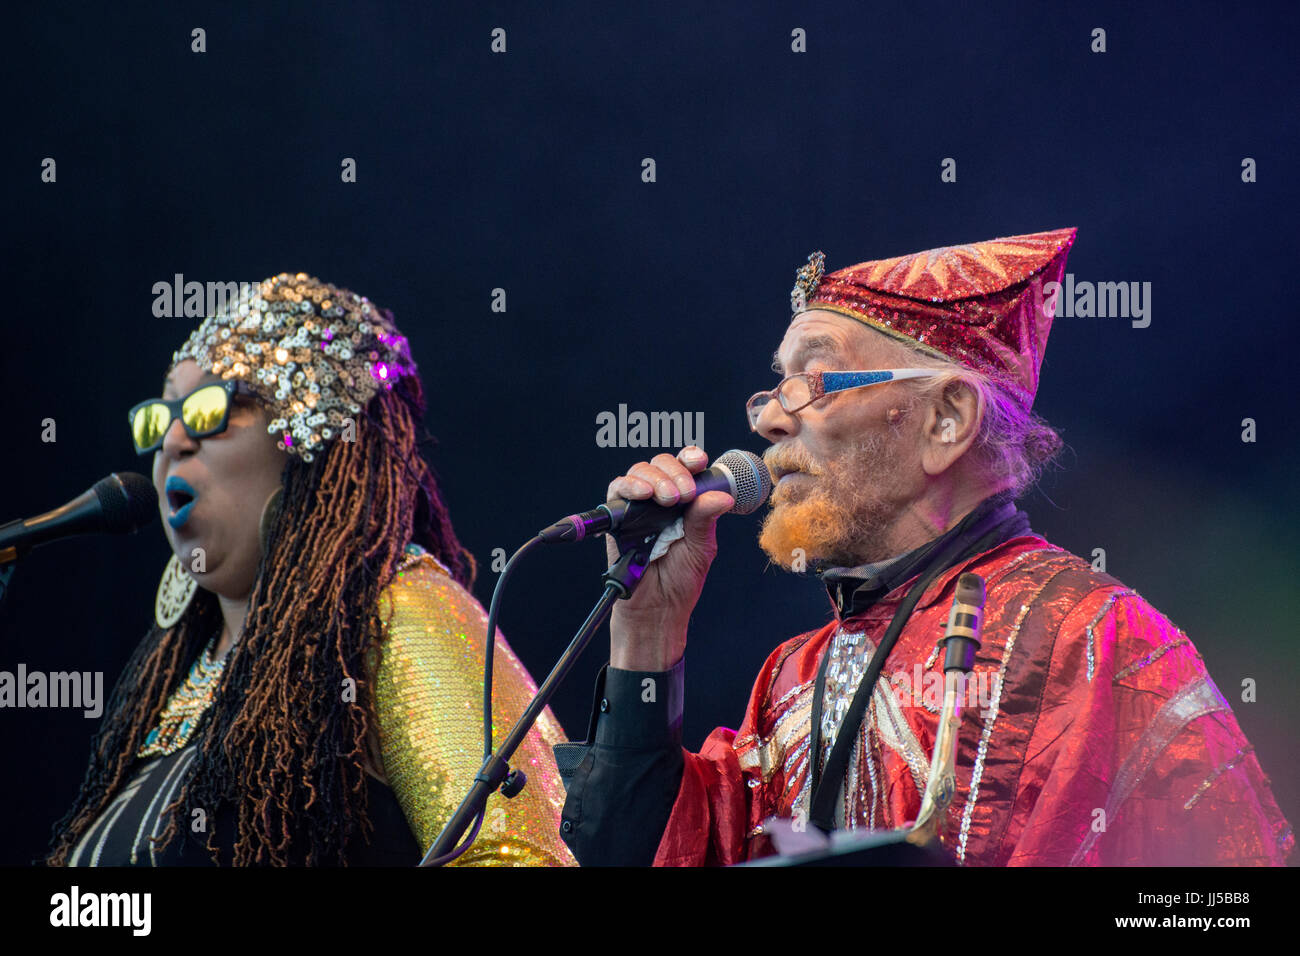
<point x="314" y="353"/>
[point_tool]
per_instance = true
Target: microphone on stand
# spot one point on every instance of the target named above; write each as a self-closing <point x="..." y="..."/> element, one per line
<point x="118" y="504"/>
<point x="740" y="474"/>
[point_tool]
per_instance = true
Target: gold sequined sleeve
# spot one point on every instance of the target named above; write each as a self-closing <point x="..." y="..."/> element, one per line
<point x="428" y="704"/>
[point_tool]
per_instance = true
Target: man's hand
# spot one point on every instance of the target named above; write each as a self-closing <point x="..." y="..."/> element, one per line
<point x="648" y="631"/>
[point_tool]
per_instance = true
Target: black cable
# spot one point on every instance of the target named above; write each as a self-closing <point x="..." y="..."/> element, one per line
<point x="493" y="611"/>
<point x="489" y="654"/>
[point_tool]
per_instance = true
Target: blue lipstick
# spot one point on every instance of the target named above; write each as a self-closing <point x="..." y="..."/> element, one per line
<point x="180" y="493"/>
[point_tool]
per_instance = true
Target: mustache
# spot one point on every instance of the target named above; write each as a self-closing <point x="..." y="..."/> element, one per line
<point x="782" y="459"/>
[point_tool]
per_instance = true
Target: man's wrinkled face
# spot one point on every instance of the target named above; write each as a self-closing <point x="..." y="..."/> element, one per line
<point x="846" y="466"/>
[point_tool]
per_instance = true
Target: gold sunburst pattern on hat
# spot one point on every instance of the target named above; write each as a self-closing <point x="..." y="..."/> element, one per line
<point x="980" y="304"/>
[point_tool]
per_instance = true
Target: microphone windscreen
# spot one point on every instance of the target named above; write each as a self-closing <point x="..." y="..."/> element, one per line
<point x="752" y="480"/>
<point x="127" y="501"/>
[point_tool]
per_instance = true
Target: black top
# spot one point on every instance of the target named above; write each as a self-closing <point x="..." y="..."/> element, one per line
<point x="120" y="837"/>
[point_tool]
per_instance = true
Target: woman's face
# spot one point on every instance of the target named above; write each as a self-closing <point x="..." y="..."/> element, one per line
<point x="231" y="475"/>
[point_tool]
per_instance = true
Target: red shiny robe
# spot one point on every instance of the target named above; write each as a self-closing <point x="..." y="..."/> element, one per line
<point x="1099" y="740"/>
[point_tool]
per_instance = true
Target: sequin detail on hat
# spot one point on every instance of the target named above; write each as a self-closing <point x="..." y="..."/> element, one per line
<point x="314" y="353"/>
<point x="980" y="304"/>
<point x="806" y="280"/>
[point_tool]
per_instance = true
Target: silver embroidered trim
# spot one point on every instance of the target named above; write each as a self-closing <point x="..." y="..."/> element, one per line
<point x="871" y="774"/>
<point x="1218" y="772"/>
<point x="850" y="656"/>
<point x="896" y="733"/>
<point x="802" y="762"/>
<point x="1196" y="699"/>
<point x="1105" y="606"/>
<point x="1150" y="658"/>
<point x="937" y="708"/>
<point x="977" y="772"/>
<point x="796" y="754"/>
<point x="793" y="692"/>
<point x="934" y="655"/>
<point x="765" y="753"/>
<point x="802" y="803"/>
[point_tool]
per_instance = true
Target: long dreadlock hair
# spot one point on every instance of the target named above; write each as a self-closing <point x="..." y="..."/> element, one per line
<point x="279" y="746"/>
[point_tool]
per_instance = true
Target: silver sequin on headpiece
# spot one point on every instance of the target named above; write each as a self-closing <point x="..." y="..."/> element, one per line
<point x="314" y="353"/>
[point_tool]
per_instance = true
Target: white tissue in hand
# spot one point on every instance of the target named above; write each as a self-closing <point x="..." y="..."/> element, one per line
<point x="666" y="537"/>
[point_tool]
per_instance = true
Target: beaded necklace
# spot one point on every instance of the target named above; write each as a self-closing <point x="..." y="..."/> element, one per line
<point x="181" y="715"/>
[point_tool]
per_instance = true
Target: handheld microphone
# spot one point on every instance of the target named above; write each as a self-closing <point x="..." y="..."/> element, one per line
<point x="122" y="502"/>
<point x="740" y="474"/>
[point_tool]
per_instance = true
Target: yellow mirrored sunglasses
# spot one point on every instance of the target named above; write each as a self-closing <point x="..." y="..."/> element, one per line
<point x="203" y="412"/>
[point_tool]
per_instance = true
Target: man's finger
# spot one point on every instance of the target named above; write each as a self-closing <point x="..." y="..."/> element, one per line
<point x="694" y="458"/>
<point x="700" y="517"/>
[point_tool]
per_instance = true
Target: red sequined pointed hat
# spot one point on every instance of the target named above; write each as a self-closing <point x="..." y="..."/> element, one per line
<point x="980" y="305"/>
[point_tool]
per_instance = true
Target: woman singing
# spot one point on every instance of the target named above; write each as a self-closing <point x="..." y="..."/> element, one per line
<point x="310" y="691"/>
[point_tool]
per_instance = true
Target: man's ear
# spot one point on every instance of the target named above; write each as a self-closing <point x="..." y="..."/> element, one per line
<point x="952" y="420"/>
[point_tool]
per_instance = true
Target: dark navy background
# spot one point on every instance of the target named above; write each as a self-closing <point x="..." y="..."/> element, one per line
<point x="523" y="171"/>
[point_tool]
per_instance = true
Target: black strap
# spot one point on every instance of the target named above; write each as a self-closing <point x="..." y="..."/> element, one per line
<point x="826" y="782"/>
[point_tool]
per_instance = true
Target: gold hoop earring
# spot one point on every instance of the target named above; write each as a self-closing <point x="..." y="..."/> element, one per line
<point x="175" y="591"/>
<point x="270" y="511"/>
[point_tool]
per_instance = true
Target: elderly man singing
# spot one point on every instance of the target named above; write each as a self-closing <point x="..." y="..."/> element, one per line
<point x="902" y="433"/>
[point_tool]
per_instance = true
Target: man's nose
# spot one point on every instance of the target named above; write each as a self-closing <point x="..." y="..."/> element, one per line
<point x="775" y="423"/>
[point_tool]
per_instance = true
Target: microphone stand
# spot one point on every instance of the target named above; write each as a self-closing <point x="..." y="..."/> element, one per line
<point x="620" y="581"/>
<point x="8" y="561"/>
